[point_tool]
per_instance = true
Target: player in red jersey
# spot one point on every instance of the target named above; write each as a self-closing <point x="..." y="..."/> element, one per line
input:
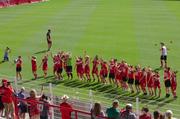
<point x="55" y="58"/>
<point x="156" y="78"/>
<point x="118" y="76"/>
<point x="87" y="68"/>
<point x="124" y="74"/>
<point x="112" y="68"/>
<point x="131" y="78"/>
<point x="44" y="65"/>
<point x="60" y="62"/>
<point x="34" y="66"/>
<point x="18" y="68"/>
<point x="49" y="41"/>
<point x="95" y="68"/>
<point x="150" y="81"/>
<point x="173" y="83"/>
<point x="137" y="78"/>
<point x="79" y="68"/>
<point x="103" y="71"/>
<point x="167" y="80"/>
<point x="143" y="80"/>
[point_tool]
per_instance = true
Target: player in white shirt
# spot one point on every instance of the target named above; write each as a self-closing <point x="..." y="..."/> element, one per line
<point x="163" y="55"/>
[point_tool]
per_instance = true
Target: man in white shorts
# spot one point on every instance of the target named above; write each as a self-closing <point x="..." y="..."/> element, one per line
<point x="163" y="55"/>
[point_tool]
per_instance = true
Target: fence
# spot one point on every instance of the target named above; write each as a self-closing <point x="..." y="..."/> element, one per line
<point x="86" y="101"/>
<point x="75" y="113"/>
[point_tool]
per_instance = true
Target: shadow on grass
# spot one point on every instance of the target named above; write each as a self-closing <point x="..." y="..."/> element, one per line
<point x="165" y="102"/>
<point x="40" y="52"/>
<point x="158" y="69"/>
<point x="2" y="61"/>
<point x="108" y="91"/>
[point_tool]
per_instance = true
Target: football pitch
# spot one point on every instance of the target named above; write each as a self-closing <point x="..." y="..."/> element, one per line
<point x="122" y="29"/>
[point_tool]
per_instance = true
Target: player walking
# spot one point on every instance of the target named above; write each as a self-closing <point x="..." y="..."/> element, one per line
<point x="49" y="41"/>
<point x="163" y="55"/>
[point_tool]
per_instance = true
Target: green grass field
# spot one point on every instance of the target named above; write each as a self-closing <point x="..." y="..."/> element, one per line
<point x="122" y="29"/>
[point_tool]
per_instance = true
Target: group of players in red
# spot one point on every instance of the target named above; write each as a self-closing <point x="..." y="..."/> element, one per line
<point x="125" y="76"/>
<point x="113" y="72"/>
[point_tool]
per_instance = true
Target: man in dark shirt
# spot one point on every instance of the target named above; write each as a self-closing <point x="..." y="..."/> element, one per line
<point x="49" y="41"/>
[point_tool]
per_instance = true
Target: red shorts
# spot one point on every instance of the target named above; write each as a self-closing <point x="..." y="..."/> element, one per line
<point x="150" y="85"/>
<point x="173" y="87"/>
<point x="95" y="71"/>
<point x="45" y="68"/>
<point x="80" y="70"/>
<point x="49" y="42"/>
<point x="157" y="84"/>
<point x="118" y="77"/>
<point x="87" y="70"/>
<point x="142" y="84"/>
<point x="55" y="67"/>
<point x="101" y="73"/>
<point x="34" y="68"/>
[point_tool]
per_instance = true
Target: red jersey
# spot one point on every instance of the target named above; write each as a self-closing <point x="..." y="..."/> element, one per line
<point x="118" y="74"/>
<point x="173" y="80"/>
<point x="105" y="68"/>
<point x="143" y="79"/>
<point x="95" y="67"/>
<point x="131" y="74"/>
<point x="150" y="79"/>
<point x="79" y="66"/>
<point x="167" y="75"/>
<point x="87" y="67"/>
<point x="33" y="106"/>
<point x="7" y="94"/>
<point x="59" y="64"/>
<point x="19" y="63"/>
<point x="145" y="116"/>
<point x="156" y="78"/>
<point x="34" y="64"/>
<point x="112" y="68"/>
<point x="138" y="75"/>
<point x="124" y="70"/>
<point x="65" y="110"/>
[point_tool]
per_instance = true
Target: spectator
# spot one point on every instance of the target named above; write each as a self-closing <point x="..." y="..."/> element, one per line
<point x="158" y="115"/>
<point x="145" y="114"/>
<point x="113" y="112"/>
<point x="169" y="114"/>
<point x="45" y="108"/>
<point x="33" y="107"/>
<point x="128" y="113"/>
<point x="65" y="108"/>
<point x="97" y="111"/>
<point x="22" y="105"/>
<point x="7" y="94"/>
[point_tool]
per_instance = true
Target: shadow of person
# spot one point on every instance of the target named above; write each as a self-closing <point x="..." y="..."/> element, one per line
<point x="40" y="52"/>
<point x="2" y="61"/>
